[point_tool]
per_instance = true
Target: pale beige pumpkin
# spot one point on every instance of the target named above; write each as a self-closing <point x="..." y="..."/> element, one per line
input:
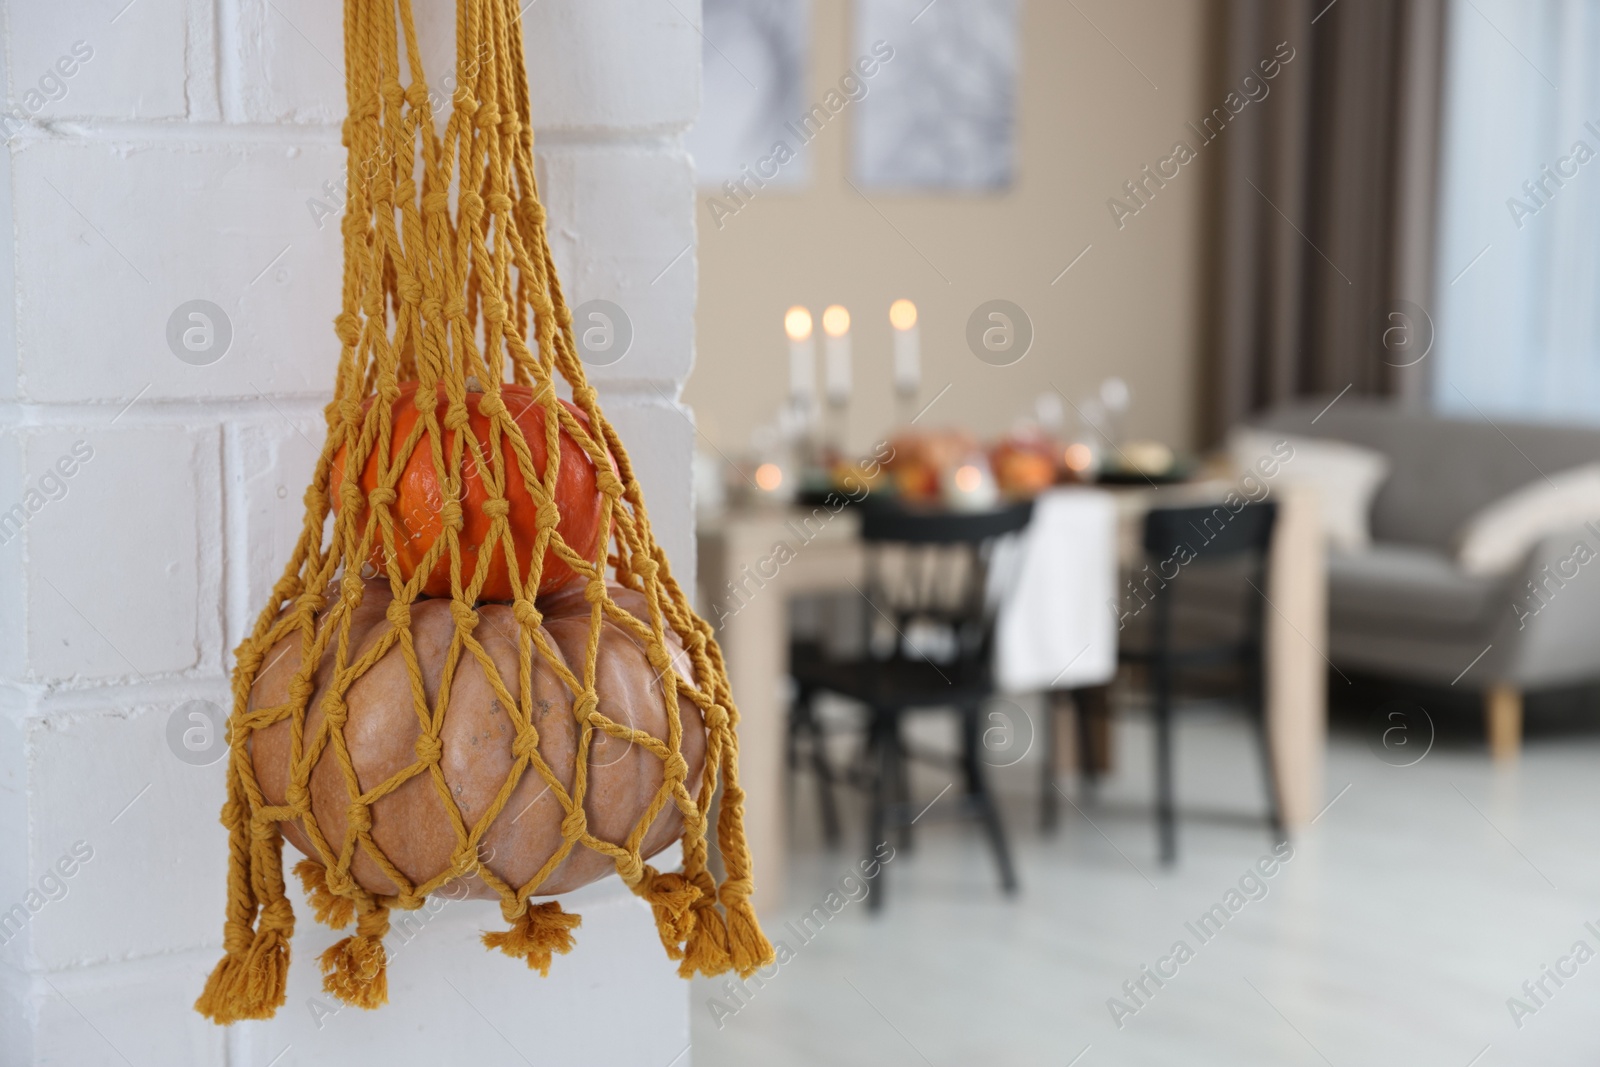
<point x="411" y="825"/>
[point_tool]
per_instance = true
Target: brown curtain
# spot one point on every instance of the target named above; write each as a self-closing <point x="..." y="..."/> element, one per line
<point x="1323" y="194"/>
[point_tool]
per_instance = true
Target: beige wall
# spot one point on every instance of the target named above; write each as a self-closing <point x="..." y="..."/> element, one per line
<point x="1087" y="122"/>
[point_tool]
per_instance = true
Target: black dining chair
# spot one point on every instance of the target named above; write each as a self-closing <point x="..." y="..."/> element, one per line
<point x="927" y="649"/>
<point x="1202" y="561"/>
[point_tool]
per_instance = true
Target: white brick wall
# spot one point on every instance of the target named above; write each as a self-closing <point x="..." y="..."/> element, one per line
<point x="178" y="150"/>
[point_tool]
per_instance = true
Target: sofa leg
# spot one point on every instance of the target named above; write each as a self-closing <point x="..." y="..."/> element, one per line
<point x="1502" y="713"/>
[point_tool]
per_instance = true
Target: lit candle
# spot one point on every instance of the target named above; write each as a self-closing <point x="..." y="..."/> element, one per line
<point x="802" y="356"/>
<point x="907" y="348"/>
<point x="836" y="325"/>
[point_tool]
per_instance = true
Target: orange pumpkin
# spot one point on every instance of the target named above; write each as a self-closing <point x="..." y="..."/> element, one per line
<point x="419" y="503"/>
<point x="411" y="825"/>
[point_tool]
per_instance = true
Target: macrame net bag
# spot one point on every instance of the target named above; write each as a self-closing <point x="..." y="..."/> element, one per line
<point x="450" y="294"/>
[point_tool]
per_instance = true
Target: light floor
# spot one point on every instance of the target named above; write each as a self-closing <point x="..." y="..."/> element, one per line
<point x="1414" y="908"/>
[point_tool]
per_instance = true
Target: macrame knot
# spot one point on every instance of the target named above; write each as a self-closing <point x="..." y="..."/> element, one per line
<point x="488" y="115"/>
<point x="435" y="202"/>
<point x="348" y="326"/>
<point x="497" y="509"/>
<point x="494" y="310"/>
<point x="359" y="817"/>
<point x="595" y="591"/>
<point x="450" y="515"/>
<point x="382" y="497"/>
<point x="675" y="768"/>
<point x="527" y="614"/>
<point x="540" y="932"/>
<point x="584" y="709"/>
<point x="455" y="308"/>
<point x="407" y="285"/>
<point x="584" y="395"/>
<point x="716" y="717"/>
<point x="491" y="406"/>
<point x="409" y="901"/>
<point x="297" y="796"/>
<point x="533" y="210"/>
<point x="549" y="515"/>
<point x="429" y="749"/>
<point x="526" y="743"/>
<point x="465" y="617"/>
<point x="499" y="203"/>
<point x="399" y="614"/>
<point x="277" y="915"/>
<point x="417" y="97"/>
<point x="335" y="710"/>
<point x="339" y="880"/>
<point x="608" y="483"/>
<point x="456" y="416"/>
<point x="300" y="689"/>
<point x="575" y="825"/>
<point x="657" y="655"/>
<point x="471" y="204"/>
<point x="350" y="495"/>
<point x="233" y="813"/>
<point x="630" y="868"/>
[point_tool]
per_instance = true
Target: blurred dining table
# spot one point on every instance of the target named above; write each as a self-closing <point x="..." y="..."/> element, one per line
<point x="754" y="559"/>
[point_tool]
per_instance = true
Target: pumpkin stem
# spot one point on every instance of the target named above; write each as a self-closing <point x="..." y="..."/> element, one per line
<point x="331" y="909"/>
<point x="541" y="931"/>
<point x="356" y="969"/>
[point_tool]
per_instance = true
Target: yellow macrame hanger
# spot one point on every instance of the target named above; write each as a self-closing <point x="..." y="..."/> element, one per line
<point x="454" y="293"/>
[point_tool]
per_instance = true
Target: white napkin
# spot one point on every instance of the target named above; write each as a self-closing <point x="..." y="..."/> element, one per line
<point x="1057" y="624"/>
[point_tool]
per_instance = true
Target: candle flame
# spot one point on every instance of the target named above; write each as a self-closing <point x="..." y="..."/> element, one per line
<point x="902" y="314"/>
<point x="836" y="321"/>
<point x="797" y="323"/>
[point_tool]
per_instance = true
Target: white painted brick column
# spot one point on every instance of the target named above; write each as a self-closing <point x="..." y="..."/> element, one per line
<point x="166" y="151"/>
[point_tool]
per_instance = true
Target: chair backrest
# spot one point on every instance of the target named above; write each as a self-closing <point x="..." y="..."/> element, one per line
<point x="1210" y="532"/>
<point x="928" y="581"/>
<point x="1207" y="555"/>
<point x="884" y="521"/>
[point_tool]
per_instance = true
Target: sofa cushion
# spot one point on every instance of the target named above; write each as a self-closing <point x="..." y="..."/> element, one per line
<point x="1498" y="538"/>
<point x="1396" y="587"/>
<point x="1445" y="469"/>
<point x="1345" y="477"/>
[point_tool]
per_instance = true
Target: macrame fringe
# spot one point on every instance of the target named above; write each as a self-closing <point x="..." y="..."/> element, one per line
<point x="330" y="909"/>
<point x="356" y="969"/>
<point x="748" y="948"/>
<point x="671" y="898"/>
<point x="539" y="933"/>
<point x="706" y="950"/>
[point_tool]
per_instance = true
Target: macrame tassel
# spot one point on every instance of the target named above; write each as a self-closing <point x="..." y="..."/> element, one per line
<point x="356" y="969"/>
<point x="216" y="1001"/>
<point x="748" y="948"/>
<point x="672" y="898"/>
<point x="263" y="984"/>
<point x="331" y="909"/>
<point x="541" y="931"/>
<point x="706" y="950"/>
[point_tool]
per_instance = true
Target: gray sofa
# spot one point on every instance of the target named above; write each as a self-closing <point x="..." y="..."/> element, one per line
<point x="1405" y="610"/>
